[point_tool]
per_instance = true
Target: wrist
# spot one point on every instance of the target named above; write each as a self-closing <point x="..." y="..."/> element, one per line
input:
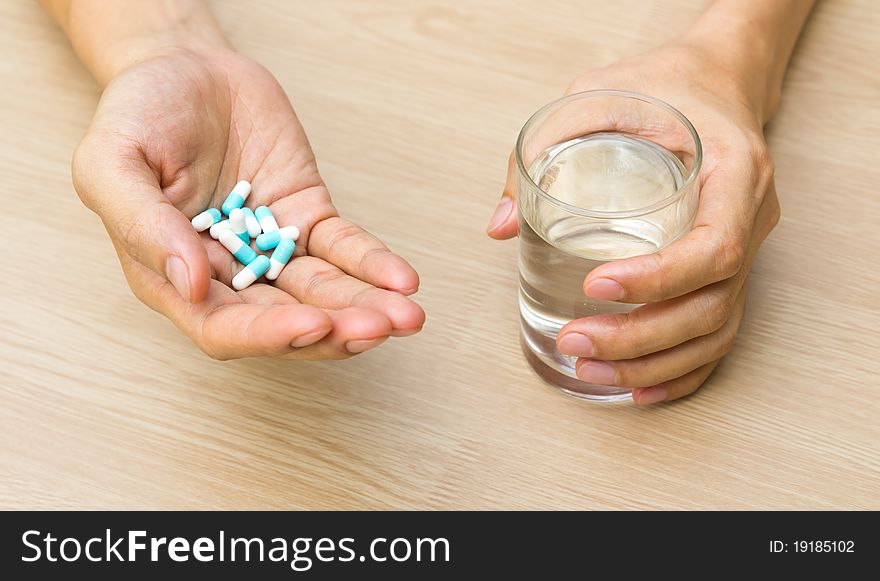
<point x="129" y="52"/>
<point x="744" y="63"/>
<point x="752" y="40"/>
<point x="111" y="36"/>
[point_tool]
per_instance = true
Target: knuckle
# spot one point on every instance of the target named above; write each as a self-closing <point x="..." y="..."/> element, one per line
<point x="343" y="234"/>
<point x="727" y="335"/>
<point x="761" y="157"/>
<point x="725" y="343"/>
<point x="662" y="278"/>
<point x="775" y="212"/>
<point x="768" y="166"/>
<point x="605" y="344"/>
<point x="729" y="254"/>
<point x="372" y="254"/>
<point x="132" y="232"/>
<point x="762" y="161"/>
<point x="713" y="310"/>
<point x="622" y="337"/>
<point x="318" y="279"/>
<point x="203" y="334"/>
<point x="629" y="375"/>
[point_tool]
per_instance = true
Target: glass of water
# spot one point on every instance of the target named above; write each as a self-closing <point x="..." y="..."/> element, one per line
<point x="603" y="175"/>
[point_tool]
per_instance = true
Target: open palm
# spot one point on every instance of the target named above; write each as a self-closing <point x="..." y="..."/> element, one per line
<point x="170" y="138"/>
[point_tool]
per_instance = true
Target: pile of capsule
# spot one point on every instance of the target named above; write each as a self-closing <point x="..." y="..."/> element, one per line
<point x="235" y="235"/>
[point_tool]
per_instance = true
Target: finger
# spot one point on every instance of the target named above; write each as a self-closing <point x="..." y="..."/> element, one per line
<point x="226" y="327"/>
<point x="362" y="255"/>
<point x="316" y="282"/>
<point x="123" y="190"/>
<point x="652" y="327"/>
<point x="321" y="284"/>
<point x="355" y="330"/>
<point x="578" y="118"/>
<point x="503" y="223"/>
<point x="303" y="209"/>
<point x="674" y="389"/>
<point x="668" y="364"/>
<point x="713" y="250"/>
<point x="250" y="330"/>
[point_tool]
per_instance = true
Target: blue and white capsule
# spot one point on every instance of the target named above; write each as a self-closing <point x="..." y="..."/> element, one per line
<point x="267" y="220"/>
<point x="236" y="197"/>
<point x="269" y="240"/>
<point x="280" y="258"/>
<point x="250" y="219"/>
<point x="219" y="227"/>
<point x="239" y="225"/>
<point x="206" y="219"/>
<point x="241" y="251"/>
<point x="250" y="273"/>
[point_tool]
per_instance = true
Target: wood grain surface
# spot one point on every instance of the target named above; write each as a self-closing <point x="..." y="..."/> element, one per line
<point x="412" y="108"/>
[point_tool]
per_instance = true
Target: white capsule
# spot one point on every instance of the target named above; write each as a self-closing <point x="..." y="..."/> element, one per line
<point x="269" y="240"/>
<point x="250" y="273"/>
<point x="281" y="256"/>
<point x="267" y="220"/>
<point x="242" y="188"/>
<point x="236" y="197"/>
<point x="239" y="225"/>
<point x="253" y="226"/>
<point x="289" y="233"/>
<point x="206" y="219"/>
<point x="218" y="227"/>
<point x="240" y="250"/>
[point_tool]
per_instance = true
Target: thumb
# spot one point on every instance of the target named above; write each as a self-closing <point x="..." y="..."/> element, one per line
<point x="503" y="224"/>
<point x="125" y="193"/>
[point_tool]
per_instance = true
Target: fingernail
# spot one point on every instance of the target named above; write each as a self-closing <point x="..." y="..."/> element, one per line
<point x="177" y="272"/>
<point x="604" y="289"/>
<point x="650" y="395"/>
<point x="576" y="344"/>
<point x="361" y="345"/>
<point x="596" y="372"/>
<point x="502" y="213"/>
<point x="309" y="338"/>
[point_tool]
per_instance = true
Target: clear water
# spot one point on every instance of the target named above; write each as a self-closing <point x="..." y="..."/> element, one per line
<point x="611" y="172"/>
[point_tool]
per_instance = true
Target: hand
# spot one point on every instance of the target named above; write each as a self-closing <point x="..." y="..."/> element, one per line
<point x="171" y="136"/>
<point x="694" y="289"/>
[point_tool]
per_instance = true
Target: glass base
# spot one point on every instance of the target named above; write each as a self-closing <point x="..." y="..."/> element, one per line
<point x="570" y="385"/>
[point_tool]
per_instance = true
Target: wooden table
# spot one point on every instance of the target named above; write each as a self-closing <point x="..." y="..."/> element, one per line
<point x="412" y="108"/>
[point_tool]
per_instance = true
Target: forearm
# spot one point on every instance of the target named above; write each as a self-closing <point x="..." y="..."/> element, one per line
<point x="110" y="35"/>
<point x="754" y="40"/>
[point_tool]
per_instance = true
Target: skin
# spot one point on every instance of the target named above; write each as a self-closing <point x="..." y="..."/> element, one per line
<point x="146" y="168"/>
<point x="694" y="289"/>
<point x="183" y="117"/>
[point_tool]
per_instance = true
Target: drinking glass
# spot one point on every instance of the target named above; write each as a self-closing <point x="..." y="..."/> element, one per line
<point x="603" y="175"/>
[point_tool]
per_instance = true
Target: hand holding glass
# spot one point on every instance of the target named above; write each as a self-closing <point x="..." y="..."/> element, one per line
<point x="602" y="175"/>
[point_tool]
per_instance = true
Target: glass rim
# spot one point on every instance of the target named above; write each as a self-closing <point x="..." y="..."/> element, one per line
<point x="660" y="204"/>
